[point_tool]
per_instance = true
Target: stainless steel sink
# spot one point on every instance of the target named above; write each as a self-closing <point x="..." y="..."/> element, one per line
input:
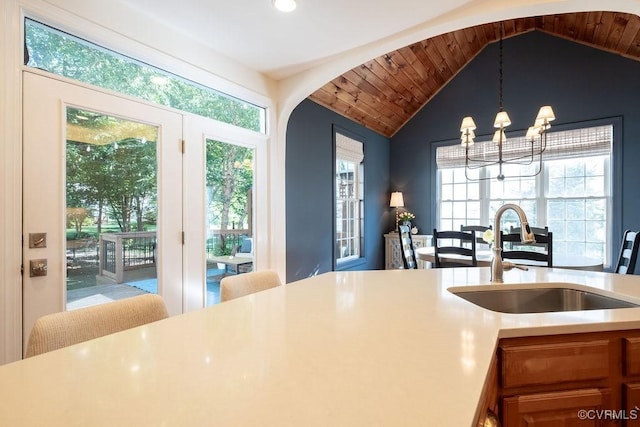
<point x="541" y="300"/>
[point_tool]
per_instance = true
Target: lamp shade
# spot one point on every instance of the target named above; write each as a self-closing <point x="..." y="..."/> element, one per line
<point x="397" y="201"/>
<point x="532" y="132"/>
<point x="502" y="120"/>
<point x="467" y="124"/>
<point x="467" y="137"/>
<point x="499" y="136"/>
<point x="468" y="134"/>
<point x="546" y="114"/>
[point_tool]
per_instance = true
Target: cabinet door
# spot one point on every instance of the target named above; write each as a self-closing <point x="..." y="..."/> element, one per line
<point x="563" y="408"/>
<point x="393" y="259"/>
<point x="631" y="404"/>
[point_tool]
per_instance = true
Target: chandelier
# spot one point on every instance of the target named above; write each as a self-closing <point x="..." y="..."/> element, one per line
<point x="535" y="140"/>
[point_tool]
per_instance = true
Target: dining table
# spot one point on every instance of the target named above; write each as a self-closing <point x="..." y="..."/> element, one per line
<point x="483" y="257"/>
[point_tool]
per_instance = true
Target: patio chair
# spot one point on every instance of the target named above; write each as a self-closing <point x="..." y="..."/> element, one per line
<point x="244" y="250"/>
<point x="58" y="330"/>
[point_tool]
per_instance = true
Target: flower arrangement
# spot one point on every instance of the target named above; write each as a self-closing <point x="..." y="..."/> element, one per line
<point x="406" y="216"/>
<point x="487" y="236"/>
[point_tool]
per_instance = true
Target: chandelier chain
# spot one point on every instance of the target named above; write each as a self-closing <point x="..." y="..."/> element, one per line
<point x="500" y="74"/>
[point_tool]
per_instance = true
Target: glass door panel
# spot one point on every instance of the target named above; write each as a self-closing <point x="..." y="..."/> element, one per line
<point x="229" y="175"/>
<point x="112" y="210"/>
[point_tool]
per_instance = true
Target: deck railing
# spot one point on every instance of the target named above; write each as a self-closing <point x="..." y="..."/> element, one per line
<point x="223" y="242"/>
<point x="120" y="252"/>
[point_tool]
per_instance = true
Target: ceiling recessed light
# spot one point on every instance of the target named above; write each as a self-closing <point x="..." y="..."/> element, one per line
<point x="285" y="5"/>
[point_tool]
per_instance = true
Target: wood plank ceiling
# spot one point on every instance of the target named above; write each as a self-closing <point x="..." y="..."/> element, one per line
<point x="384" y="93"/>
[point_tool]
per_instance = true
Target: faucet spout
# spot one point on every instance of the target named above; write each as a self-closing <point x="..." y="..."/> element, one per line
<point x="526" y="236"/>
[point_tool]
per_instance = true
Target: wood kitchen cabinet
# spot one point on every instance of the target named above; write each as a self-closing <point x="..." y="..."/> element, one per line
<point x="489" y="401"/>
<point x="586" y="379"/>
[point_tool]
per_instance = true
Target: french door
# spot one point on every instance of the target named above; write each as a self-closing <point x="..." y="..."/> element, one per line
<point x="225" y="173"/>
<point x="102" y="199"/>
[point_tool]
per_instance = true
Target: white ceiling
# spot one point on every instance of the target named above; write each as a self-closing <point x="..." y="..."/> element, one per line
<point x="255" y="34"/>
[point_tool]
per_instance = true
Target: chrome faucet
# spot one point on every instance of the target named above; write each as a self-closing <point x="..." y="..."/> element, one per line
<point x="526" y="236"/>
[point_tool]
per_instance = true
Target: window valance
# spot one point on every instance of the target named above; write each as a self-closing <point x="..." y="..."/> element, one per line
<point x="349" y="149"/>
<point x="594" y="141"/>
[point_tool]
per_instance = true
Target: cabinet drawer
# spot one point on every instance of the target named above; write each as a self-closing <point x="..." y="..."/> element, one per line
<point x="525" y="365"/>
<point x="557" y="408"/>
<point x="631" y="356"/>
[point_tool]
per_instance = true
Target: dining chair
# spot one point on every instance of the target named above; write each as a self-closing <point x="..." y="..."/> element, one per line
<point x="534" y="230"/>
<point x="239" y="285"/>
<point x="628" y="252"/>
<point x="464" y="253"/>
<point x="478" y="230"/>
<point x="528" y="252"/>
<point x="58" y="330"/>
<point x="406" y="248"/>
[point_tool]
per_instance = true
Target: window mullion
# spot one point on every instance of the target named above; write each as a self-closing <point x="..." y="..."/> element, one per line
<point x="542" y="182"/>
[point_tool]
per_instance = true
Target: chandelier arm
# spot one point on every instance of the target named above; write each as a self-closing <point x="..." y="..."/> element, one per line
<point x="516" y="159"/>
<point x="484" y="163"/>
<point x="506" y="178"/>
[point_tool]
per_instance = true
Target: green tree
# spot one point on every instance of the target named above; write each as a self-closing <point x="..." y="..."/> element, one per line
<point x="229" y="177"/>
<point x="121" y="175"/>
<point x="76" y="217"/>
<point x="67" y="56"/>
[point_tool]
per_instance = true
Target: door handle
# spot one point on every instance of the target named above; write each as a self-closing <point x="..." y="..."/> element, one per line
<point x="37" y="240"/>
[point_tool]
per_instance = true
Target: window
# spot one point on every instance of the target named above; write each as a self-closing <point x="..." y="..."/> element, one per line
<point x="572" y="194"/>
<point x="65" y="55"/>
<point x="349" y="184"/>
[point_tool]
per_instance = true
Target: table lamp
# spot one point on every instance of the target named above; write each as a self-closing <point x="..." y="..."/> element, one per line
<point x="397" y="201"/>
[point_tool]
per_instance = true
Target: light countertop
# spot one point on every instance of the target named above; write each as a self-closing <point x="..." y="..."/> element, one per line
<point x="370" y="348"/>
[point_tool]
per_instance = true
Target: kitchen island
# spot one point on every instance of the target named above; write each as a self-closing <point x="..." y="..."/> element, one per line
<point x="369" y="348"/>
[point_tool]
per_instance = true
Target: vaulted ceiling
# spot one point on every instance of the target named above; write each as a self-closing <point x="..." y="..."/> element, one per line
<point x="386" y="92"/>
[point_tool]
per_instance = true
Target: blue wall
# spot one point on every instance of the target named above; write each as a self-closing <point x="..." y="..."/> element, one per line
<point x="581" y="83"/>
<point x="309" y="191"/>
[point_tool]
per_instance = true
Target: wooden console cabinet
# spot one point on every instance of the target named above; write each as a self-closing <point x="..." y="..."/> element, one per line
<point x="587" y="379"/>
